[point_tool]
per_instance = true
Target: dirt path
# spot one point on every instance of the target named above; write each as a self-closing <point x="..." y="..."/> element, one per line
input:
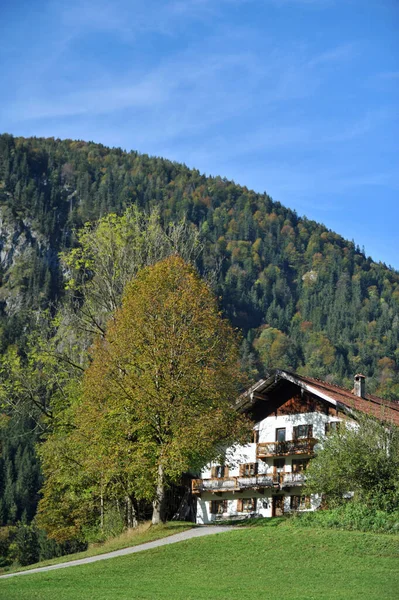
<point x="172" y="539"/>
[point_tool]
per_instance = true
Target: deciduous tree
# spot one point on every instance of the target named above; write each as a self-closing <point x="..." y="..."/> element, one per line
<point x="111" y="252"/>
<point x="158" y="395"/>
<point x="361" y="458"/>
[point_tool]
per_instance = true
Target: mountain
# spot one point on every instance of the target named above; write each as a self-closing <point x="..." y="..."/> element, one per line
<point x="303" y="296"/>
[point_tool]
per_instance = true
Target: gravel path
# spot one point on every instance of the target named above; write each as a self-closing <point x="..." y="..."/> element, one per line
<point x="172" y="539"/>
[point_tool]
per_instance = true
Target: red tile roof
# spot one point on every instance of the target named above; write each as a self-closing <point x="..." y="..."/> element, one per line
<point x="385" y="410"/>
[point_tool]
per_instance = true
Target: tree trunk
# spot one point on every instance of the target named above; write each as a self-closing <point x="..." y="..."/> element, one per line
<point x="158" y="503"/>
<point x="101" y="508"/>
<point x="131" y="511"/>
<point x="128" y="512"/>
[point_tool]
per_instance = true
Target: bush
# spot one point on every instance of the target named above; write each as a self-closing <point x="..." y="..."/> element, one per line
<point x="113" y="526"/>
<point x="25" y="548"/>
<point x="113" y="522"/>
<point x="7" y="535"/>
<point x="49" y="548"/>
<point x="352" y="516"/>
<point x="362" y="459"/>
<point x="26" y="544"/>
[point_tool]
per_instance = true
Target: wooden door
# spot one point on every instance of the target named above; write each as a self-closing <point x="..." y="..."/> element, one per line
<point x="278" y="506"/>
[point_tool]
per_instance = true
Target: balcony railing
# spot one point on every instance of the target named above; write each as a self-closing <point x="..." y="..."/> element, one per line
<point x="292" y="479"/>
<point x="231" y="484"/>
<point x="236" y="484"/>
<point x="302" y="446"/>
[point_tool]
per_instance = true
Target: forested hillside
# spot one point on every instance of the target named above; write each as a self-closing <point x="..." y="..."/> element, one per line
<point x="304" y="298"/>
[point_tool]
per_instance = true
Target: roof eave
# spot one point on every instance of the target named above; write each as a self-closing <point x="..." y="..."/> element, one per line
<point x="248" y="399"/>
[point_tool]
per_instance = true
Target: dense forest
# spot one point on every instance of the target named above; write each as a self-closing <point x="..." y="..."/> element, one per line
<point x="303" y="297"/>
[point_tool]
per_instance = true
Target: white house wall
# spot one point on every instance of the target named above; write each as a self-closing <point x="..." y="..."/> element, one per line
<point x="243" y="454"/>
<point x="267" y="427"/>
<point x="239" y="455"/>
<point x="204" y="516"/>
<point x="263" y="505"/>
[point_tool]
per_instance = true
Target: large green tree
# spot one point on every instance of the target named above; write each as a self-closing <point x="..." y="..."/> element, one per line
<point x="110" y="253"/>
<point x="361" y="457"/>
<point x="158" y="394"/>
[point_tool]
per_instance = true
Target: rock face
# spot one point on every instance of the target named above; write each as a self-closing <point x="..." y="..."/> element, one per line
<point x="26" y="261"/>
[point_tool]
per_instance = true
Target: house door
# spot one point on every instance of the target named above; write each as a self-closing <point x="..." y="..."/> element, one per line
<point x="278" y="506"/>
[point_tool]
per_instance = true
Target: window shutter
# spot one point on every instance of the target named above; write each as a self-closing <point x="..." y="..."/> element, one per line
<point x="239" y="505"/>
<point x="213" y="472"/>
<point x="242" y="470"/>
<point x="225" y="505"/>
<point x="256" y="468"/>
<point x="310" y="431"/>
<point x="226" y="472"/>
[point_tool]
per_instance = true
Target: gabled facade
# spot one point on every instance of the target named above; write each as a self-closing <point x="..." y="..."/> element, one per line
<point x="291" y="414"/>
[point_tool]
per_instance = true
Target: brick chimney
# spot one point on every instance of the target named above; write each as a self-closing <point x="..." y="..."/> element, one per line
<point x="360" y="386"/>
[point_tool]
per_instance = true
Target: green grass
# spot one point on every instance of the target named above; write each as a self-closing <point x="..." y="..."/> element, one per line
<point x="144" y="533"/>
<point x="275" y="561"/>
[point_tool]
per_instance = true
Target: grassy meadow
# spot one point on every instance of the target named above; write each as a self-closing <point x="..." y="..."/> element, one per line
<point x="273" y="561"/>
<point x="145" y="532"/>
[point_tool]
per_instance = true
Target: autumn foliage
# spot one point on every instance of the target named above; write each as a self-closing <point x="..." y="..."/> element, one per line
<point x="158" y="395"/>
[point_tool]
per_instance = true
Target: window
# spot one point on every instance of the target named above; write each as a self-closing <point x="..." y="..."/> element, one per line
<point x="219" y="472"/>
<point x="246" y="505"/>
<point x="300" y="502"/>
<point x="249" y="469"/>
<point x="280" y="434"/>
<point x="299" y="464"/>
<point x="279" y="464"/>
<point x="254" y="436"/>
<point x="279" y="468"/>
<point x="332" y="427"/>
<point x="218" y="507"/>
<point x="303" y="432"/>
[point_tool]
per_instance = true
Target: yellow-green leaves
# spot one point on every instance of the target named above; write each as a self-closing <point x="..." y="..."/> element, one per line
<point x="111" y="253"/>
<point x="160" y="387"/>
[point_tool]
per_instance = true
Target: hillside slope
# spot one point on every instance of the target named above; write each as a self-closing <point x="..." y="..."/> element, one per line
<point x="278" y="559"/>
<point x="304" y="297"/>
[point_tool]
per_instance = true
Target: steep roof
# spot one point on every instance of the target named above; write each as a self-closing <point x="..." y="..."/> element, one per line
<point x="379" y="408"/>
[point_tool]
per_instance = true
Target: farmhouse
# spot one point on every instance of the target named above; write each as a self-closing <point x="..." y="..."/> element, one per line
<point x="291" y="414"/>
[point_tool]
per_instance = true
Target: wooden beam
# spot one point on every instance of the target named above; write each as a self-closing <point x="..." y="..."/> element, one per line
<point x="258" y="396"/>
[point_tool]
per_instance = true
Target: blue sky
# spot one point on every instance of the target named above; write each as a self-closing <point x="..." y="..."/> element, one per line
<point x="294" y="97"/>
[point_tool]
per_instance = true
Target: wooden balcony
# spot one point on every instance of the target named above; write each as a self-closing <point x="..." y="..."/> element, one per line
<point x="232" y="484"/>
<point x="292" y="479"/>
<point x="302" y="446"/>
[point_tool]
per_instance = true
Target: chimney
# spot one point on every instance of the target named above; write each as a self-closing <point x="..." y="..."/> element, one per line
<point x="360" y="386"/>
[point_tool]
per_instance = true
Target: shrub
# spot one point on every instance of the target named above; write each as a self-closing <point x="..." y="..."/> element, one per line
<point x="362" y="459"/>
<point x="352" y="516"/>
<point x="25" y="548"/>
<point x="7" y="535"/>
